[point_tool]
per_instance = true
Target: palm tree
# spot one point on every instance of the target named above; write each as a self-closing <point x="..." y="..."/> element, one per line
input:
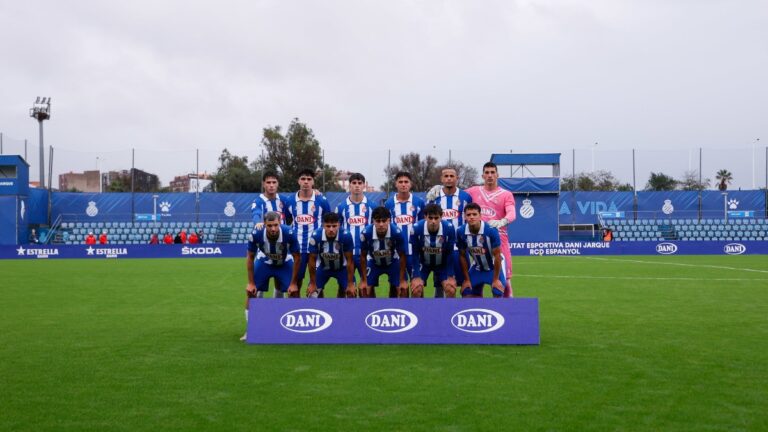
<point x="724" y="177"/>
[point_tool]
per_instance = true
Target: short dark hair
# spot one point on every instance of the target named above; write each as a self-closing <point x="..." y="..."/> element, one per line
<point x="472" y="206"/>
<point x="403" y="174"/>
<point x="272" y="216"/>
<point x="381" y="213"/>
<point x="357" y="176"/>
<point x="306" y="172"/>
<point x="490" y="165"/>
<point x="331" y="217"/>
<point x="268" y="174"/>
<point x="449" y="167"/>
<point x="433" y="209"/>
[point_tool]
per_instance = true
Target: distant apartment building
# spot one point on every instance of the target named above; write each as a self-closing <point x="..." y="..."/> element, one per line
<point x="87" y="181"/>
<point x="190" y="182"/>
<point x="120" y="181"/>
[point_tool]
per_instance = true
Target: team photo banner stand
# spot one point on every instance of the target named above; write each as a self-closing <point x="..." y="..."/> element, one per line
<point x="394" y="321"/>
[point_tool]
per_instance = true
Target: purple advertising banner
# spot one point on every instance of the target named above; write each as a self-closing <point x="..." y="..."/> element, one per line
<point x="394" y="321"/>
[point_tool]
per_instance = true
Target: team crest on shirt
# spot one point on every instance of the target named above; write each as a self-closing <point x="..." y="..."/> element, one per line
<point x="311" y="208"/>
<point x="362" y="208"/>
<point x="280" y="205"/>
<point x="480" y="240"/>
<point x="389" y="244"/>
<point x="336" y="247"/>
<point x="312" y="241"/>
<point x="362" y="237"/>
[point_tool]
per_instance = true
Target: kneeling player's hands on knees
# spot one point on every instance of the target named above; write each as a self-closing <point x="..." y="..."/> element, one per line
<point x="498" y="285"/>
<point x="417" y="283"/>
<point x="311" y="288"/>
<point x="351" y="291"/>
<point x="293" y="289"/>
<point x="449" y="287"/>
<point x="364" y="291"/>
<point x="250" y="288"/>
<point x="403" y="289"/>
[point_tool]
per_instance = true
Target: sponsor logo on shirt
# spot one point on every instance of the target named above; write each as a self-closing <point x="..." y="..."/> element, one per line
<point x="356" y="220"/>
<point x="305" y="219"/>
<point x="403" y="219"/>
<point x="450" y="214"/>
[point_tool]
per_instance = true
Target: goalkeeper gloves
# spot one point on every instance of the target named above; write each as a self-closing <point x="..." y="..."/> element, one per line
<point x="498" y="223"/>
<point x="434" y="192"/>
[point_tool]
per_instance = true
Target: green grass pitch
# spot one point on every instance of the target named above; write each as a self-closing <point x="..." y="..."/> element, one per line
<point x="628" y="344"/>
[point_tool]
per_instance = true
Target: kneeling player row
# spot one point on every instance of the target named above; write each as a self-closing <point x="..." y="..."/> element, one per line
<point x="438" y="249"/>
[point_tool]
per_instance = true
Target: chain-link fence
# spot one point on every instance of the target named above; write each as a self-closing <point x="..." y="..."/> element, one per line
<point x="747" y="164"/>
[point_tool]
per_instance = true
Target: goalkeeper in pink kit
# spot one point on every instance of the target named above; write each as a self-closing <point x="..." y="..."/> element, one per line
<point x="497" y="210"/>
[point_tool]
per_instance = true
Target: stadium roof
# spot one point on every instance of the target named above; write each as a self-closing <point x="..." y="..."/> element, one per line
<point x="526" y="158"/>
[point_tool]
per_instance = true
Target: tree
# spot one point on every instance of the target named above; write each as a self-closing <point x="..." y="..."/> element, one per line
<point x="724" y="178"/>
<point x="288" y="154"/>
<point x="421" y="170"/>
<point x="119" y="183"/>
<point x="660" y="182"/>
<point x="601" y="180"/>
<point x="234" y="174"/>
<point x="690" y="182"/>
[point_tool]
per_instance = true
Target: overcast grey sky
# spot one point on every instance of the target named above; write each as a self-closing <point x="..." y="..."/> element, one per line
<point x="474" y="77"/>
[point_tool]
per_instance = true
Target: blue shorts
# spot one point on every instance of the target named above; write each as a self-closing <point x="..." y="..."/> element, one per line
<point x="481" y="278"/>
<point x="262" y="272"/>
<point x="322" y="277"/>
<point x="392" y="271"/>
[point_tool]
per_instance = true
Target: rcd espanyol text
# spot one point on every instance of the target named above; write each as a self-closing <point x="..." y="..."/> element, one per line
<point x="306" y="320"/>
<point x="477" y="320"/>
<point x="391" y="320"/>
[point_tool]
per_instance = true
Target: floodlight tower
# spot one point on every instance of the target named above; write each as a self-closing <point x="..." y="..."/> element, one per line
<point x="41" y="110"/>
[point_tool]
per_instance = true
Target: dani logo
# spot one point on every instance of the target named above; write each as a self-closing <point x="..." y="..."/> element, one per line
<point x="403" y="219"/>
<point x="477" y="320"/>
<point x="449" y="214"/>
<point x="356" y="220"/>
<point x="734" y="249"/>
<point x="306" y="320"/>
<point x="305" y="219"/>
<point x="186" y="250"/>
<point x="391" y="320"/>
<point x="666" y="248"/>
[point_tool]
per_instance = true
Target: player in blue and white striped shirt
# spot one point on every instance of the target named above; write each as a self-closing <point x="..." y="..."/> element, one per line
<point x="452" y="200"/>
<point x="306" y="209"/>
<point x="433" y="242"/>
<point x="330" y="256"/>
<point x="269" y="200"/>
<point x="383" y="252"/>
<point x="406" y="210"/>
<point x="273" y="253"/>
<point x="482" y="242"/>
<point x="355" y="214"/>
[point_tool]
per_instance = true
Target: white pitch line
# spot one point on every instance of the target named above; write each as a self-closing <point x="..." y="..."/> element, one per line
<point x="639" y="278"/>
<point x="680" y="264"/>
